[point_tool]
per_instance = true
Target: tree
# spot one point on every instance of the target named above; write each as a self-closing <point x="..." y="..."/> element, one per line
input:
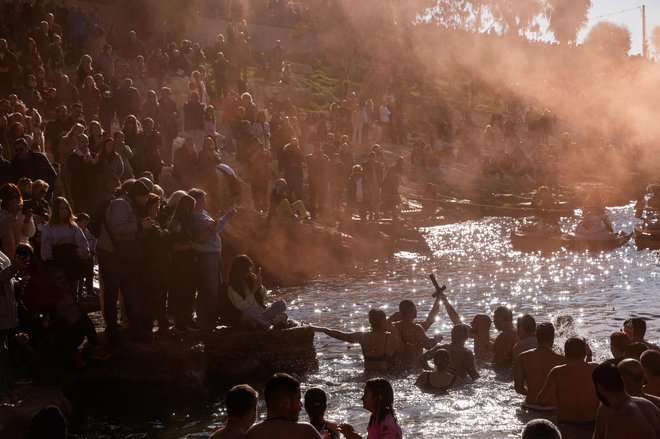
<point x="609" y="39"/>
<point x="516" y="15"/>
<point x="460" y="14"/>
<point x="655" y="40"/>
<point x="566" y="18"/>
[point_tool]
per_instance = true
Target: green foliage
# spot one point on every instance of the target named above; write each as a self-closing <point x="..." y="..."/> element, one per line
<point x="566" y="18"/>
<point x="609" y="39"/>
<point x="325" y="88"/>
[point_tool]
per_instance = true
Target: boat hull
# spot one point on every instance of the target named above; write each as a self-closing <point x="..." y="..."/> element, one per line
<point x="531" y="243"/>
<point x="646" y="239"/>
<point x="596" y="245"/>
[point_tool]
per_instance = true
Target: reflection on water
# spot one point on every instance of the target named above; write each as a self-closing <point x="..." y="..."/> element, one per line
<point x="475" y="260"/>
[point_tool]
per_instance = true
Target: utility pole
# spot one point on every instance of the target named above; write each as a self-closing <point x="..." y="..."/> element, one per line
<point x="645" y="44"/>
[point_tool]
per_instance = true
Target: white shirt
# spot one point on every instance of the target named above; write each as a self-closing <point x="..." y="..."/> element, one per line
<point x="385" y="113"/>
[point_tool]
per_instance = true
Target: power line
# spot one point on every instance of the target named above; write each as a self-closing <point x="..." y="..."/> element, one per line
<point x="617" y="13"/>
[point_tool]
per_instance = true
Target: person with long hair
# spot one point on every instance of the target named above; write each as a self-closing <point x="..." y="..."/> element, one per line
<point x="63" y="243"/>
<point x="182" y="267"/>
<point x="133" y="135"/>
<point x="90" y="96"/>
<point x="378" y="399"/>
<point x="439" y="380"/>
<point x="16" y="226"/>
<point x="380" y="347"/>
<point x="84" y="69"/>
<point x="316" y="402"/>
<point x="30" y="59"/>
<point x="247" y="293"/>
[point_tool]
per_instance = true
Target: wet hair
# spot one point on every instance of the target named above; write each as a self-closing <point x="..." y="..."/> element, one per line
<point x="383" y="394"/>
<point x="376" y="317"/>
<point x="460" y="332"/>
<point x="608" y="376"/>
<point x="540" y="429"/>
<point x="503" y="313"/>
<point x="240" y="400"/>
<point x="527" y="323"/>
<point x="651" y="362"/>
<point x="545" y="332"/>
<point x="638" y="324"/>
<point x="619" y="341"/>
<point x="575" y="348"/>
<point x="279" y="386"/>
<point x="635" y="350"/>
<point x="9" y="191"/>
<point x="406" y="307"/>
<point x="481" y="320"/>
<point x="441" y="359"/>
<point x="316" y="402"/>
<point x="49" y="423"/>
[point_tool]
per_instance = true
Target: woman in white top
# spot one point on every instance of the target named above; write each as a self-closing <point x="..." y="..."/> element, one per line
<point x="63" y="242"/>
<point x="246" y="293"/>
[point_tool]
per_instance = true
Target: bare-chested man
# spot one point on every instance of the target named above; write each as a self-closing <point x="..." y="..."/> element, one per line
<point x="569" y="386"/>
<point x="480" y="330"/>
<point x="461" y="358"/>
<point x="241" y="412"/>
<point x="635" y="328"/>
<point x="413" y="335"/>
<point x="632" y="373"/>
<point x="619" y="341"/>
<point x="651" y="363"/>
<point x="621" y="416"/>
<point x="533" y="366"/>
<point x="526" y="330"/>
<point x="283" y="407"/>
<point x="506" y="340"/>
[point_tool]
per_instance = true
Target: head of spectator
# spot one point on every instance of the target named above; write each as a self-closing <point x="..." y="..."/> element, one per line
<point x="635" y="328"/>
<point x="39" y="190"/>
<point x="89" y="83"/>
<point x="481" y="324"/>
<point x="200" y="198"/>
<point x="77" y="113"/>
<point x="138" y="193"/>
<point x="632" y="373"/>
<point x="25" y="186"/>
<point x="545" y="334"/>
<point x="108" y="151"/>
<point x="525" y="326"/>
<point x="11" y="199"/>
<point x="189" y="145"/>
<point x="131" y="125"/>
<point x="460" y="334"/>
<point x="441" y="359"/>
<point x="282" y="395"/>
<point x="503" y="318"/>
<point x="241" y="405"/>
<point x="85" y="63"/>
<point x="575" y="349"/>
<point x="408" y="310"/>
<point x="540" y="429"/>
<point x="378" y="398"/>
<point x="21" y="148"/>
<point x="377" y="320"/>
<point x="61" y="212"/>
<point x="650" y="361"/>
<point x="619" y="341"/>
<point x="608" y="383"/>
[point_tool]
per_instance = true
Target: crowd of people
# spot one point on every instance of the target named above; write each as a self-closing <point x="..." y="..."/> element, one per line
<point x="102" y="164"/>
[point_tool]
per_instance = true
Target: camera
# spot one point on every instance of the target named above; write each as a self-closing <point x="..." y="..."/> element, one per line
<point x="24" y="251"/>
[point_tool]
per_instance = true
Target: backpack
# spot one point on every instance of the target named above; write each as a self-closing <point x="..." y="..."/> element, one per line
<point x="97" y="219"/>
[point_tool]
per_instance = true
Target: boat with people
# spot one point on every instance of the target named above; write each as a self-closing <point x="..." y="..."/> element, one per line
<point x="536" y="234"/>
<point x="594" y="233"/>
<point x="518" y="210"/>
<point x="647" y="236"/>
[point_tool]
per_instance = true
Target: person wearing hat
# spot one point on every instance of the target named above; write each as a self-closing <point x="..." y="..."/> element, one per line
<point x="118" y="251"/>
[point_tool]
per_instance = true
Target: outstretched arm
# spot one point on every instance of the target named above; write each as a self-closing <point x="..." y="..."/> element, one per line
<point x="349" y="337"/>
<point x="453" y="315"/>
<point x="430" y="319"/>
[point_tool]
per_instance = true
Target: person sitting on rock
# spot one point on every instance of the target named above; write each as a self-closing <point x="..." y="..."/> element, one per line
<point x="241" y="405"/>
<point x="280" y="205"/>
<point x="246" y="293"/>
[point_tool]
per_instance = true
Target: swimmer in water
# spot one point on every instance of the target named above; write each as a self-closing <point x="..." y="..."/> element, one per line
<point x="462" y="359"/>
<point x="380" y="348"/>
<point x="316" y="402"/>
<point x="635" y="328"/>
<point x="569" y="386"/>
<point x="507" y="338"/>
<point x="378" y="399"/>
<point x="620" y="415"/>
<point x="632" y="373"/>
<point x="439" y="380"/>
<point x="283" y="406"/>
<point x="532" y="367"/>
<point x="651" y="363"/>
<point x="241" y="406"/>
<point x="526" y="330"/>
<point x="413" y="335"/>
